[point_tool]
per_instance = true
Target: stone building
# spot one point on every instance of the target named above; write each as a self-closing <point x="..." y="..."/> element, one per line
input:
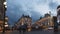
<point x="1" y="25"/>
<point x="46" y="22"/>
<point x="58" y="17"/>
<point x="1" y="14"/>
<point x="58" y="14"/>
<point x="25" y="20"/>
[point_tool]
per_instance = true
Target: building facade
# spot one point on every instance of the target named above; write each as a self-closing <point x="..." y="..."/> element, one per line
<point x="25" y="20"/>
<point x="58" y="14"/>
<point x="1" y="14"/>
<point x="46" y="22"/>
<point x="58" y="17"/>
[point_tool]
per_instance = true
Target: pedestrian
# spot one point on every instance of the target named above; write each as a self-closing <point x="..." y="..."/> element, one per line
<point x="19" y="28"/>
<point x="23" y="28"/>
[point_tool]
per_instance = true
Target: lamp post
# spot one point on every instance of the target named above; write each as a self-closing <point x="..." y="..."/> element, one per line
<point x="4" y="10"/>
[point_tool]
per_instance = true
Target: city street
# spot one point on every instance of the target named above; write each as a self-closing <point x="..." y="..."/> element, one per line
<point x="33" y="32"/>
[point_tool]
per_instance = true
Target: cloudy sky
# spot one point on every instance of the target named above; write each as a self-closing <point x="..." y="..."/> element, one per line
<point x="33" y="8"/>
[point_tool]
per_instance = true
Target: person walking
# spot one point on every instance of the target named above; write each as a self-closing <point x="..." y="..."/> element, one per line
<point x="22" y="28"/>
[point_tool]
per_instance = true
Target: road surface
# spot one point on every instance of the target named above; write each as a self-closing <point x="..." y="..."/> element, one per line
<point x="33" y="32"/>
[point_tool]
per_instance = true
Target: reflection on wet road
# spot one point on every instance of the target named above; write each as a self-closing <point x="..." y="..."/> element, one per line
<point x="33" y="32"/>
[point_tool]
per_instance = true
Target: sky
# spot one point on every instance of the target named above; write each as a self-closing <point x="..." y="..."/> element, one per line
<point x="34" y="8"/>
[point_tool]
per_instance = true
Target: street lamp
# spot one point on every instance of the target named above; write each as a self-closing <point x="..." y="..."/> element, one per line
<point x="4" y="9"/>
<point x="5" y="3"/>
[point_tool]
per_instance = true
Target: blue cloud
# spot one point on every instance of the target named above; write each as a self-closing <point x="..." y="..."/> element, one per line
<point x="33" y="8"/>
<point x="53" y="5"/>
